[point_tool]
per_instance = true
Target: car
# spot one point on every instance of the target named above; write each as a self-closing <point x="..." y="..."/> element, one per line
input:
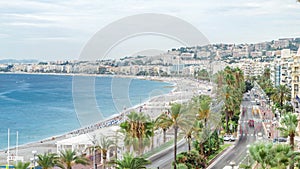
<point x="259" y="136"/>
<point x="226" y="138"/>
<point x="232" y="138"/>
<point x="251" y="123"/>
<point x="280" y="140"/>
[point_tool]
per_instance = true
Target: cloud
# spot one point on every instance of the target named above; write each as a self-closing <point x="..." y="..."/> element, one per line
<point x="77" y="20"/>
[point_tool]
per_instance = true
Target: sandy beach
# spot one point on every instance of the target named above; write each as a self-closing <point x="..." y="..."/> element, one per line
<point x="184" y="90"/>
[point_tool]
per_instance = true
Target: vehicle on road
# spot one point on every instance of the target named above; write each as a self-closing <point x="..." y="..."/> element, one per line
<point x="251" y="123"/>
<point x="259" y="136"/>
<point x="257" y="102"/>
<point x="226" y="138"/>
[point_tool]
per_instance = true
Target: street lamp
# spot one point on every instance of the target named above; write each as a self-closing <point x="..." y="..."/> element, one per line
<point x="94" y="141"/>
<point x="34" y="157"/>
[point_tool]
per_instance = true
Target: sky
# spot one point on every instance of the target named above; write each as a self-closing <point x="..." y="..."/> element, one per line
<point x="59" y="29"/>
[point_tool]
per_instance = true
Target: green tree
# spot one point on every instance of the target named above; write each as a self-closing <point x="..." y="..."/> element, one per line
<point x="281" y="156"/>
<point x="131" y="162"/>
<point x="68" y="158"/>
<point x="203" y="103"/>
<point x="47" y="160"/>
<point x="21" y="165"/>
<point x="104" y="145"/>
<point x="281" y="95"/>
<point x="164" y="125"/>
<point x="178" y="120"/>
<point x="191" y="159"/>
<point x="138" y="129"/>
<point x="289" y="124"/>
<point x="261" y="154"/>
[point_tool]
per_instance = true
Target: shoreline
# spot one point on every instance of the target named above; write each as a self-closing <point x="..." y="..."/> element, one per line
<point x="54" y="137"/>
<point x="49" y="144"/>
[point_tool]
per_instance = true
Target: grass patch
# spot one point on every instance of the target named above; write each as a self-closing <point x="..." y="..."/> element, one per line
<point x="222" y="148"/>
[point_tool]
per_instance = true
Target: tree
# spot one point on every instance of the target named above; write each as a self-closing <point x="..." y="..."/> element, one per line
<point x="281" y="95"/>
<point x="104" y="145"/>
<point x="203" y="103"/>
<point x="164" y="125"/>
<point x="131" y="162"/>
<point x="281" y="156"/>
<point x="47" y="160"/>
<point x="21" y="165"/>
<point x="138" y="130"/>
<point x="289" y="124"/>
<point x="261" y="154"/>
<point x="68" y="158"/>
<point x="178" y="119"/>
<point x="271" y="155"/>
<point x="191" y="159"/>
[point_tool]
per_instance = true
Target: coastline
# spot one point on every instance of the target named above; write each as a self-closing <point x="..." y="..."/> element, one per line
<point x="49" y="144"/>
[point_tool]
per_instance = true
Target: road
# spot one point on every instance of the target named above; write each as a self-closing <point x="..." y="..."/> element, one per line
<point x="165" y="159"/>
<point x="248" y="135"/>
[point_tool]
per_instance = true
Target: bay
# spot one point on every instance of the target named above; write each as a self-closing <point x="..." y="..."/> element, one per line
<point x="41" y="106"/>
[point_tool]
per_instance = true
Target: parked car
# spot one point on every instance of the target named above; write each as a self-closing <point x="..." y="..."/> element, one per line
<point x="226" y="138"/>
<point x="232" y="138"/>
<point x="280" y="140"/>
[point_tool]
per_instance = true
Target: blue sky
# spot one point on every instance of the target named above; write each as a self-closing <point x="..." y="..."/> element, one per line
<point x="59" y="29"/>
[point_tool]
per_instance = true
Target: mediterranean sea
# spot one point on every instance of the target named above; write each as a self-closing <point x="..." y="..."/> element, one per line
<point x="41" y="106"/>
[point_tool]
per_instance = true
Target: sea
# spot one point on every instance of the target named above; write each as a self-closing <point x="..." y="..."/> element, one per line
<point x="39" y="106"/>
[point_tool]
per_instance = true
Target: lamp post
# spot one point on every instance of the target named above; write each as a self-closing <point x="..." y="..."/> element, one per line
<point x="94" y="141"/>
<point x="34" y="157"/>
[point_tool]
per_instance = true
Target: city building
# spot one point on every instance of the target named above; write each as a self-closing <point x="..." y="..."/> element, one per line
<point x="286" y="62"/>
<point x="295" y="96"/>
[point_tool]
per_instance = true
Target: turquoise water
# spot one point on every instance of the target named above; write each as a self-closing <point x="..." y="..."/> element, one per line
<point x="40" y="106"/>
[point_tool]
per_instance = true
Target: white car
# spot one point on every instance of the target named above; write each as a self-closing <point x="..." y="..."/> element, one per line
<point x="226" y="138"/>
<point x="232" y="138"/>
<point x="259" y="136"/>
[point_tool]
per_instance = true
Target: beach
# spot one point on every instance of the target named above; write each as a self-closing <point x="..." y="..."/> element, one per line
<point x="184" y="90"/>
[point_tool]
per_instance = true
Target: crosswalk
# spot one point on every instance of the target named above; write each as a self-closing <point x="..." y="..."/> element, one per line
<point x="248" y="135"/>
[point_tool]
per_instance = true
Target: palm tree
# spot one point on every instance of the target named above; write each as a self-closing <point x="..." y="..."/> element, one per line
<point x="131" y="162"/>
<point x="104" y="146"/>
<point x="230" y="104"/>
<point x="190" y="131"/>
<point x="280" y="95"/>
<point x="261" y="154"/>
<point x="68" y="158"/>
<point x="280" y="154"/>
<point x="47" y="160"/>
<point x="138" y="130"/>
<point x="179" y="118"/>
<point x="159" y="123"/>
<point x="204" y="107"/>
<point x="21" y="165"/>
<point x="289" y="124"/>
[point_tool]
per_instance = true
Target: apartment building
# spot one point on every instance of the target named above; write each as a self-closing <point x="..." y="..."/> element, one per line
<point x="286" y="62"/>
<point x="275" y="72"/>
<point x="296" y="82"/>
